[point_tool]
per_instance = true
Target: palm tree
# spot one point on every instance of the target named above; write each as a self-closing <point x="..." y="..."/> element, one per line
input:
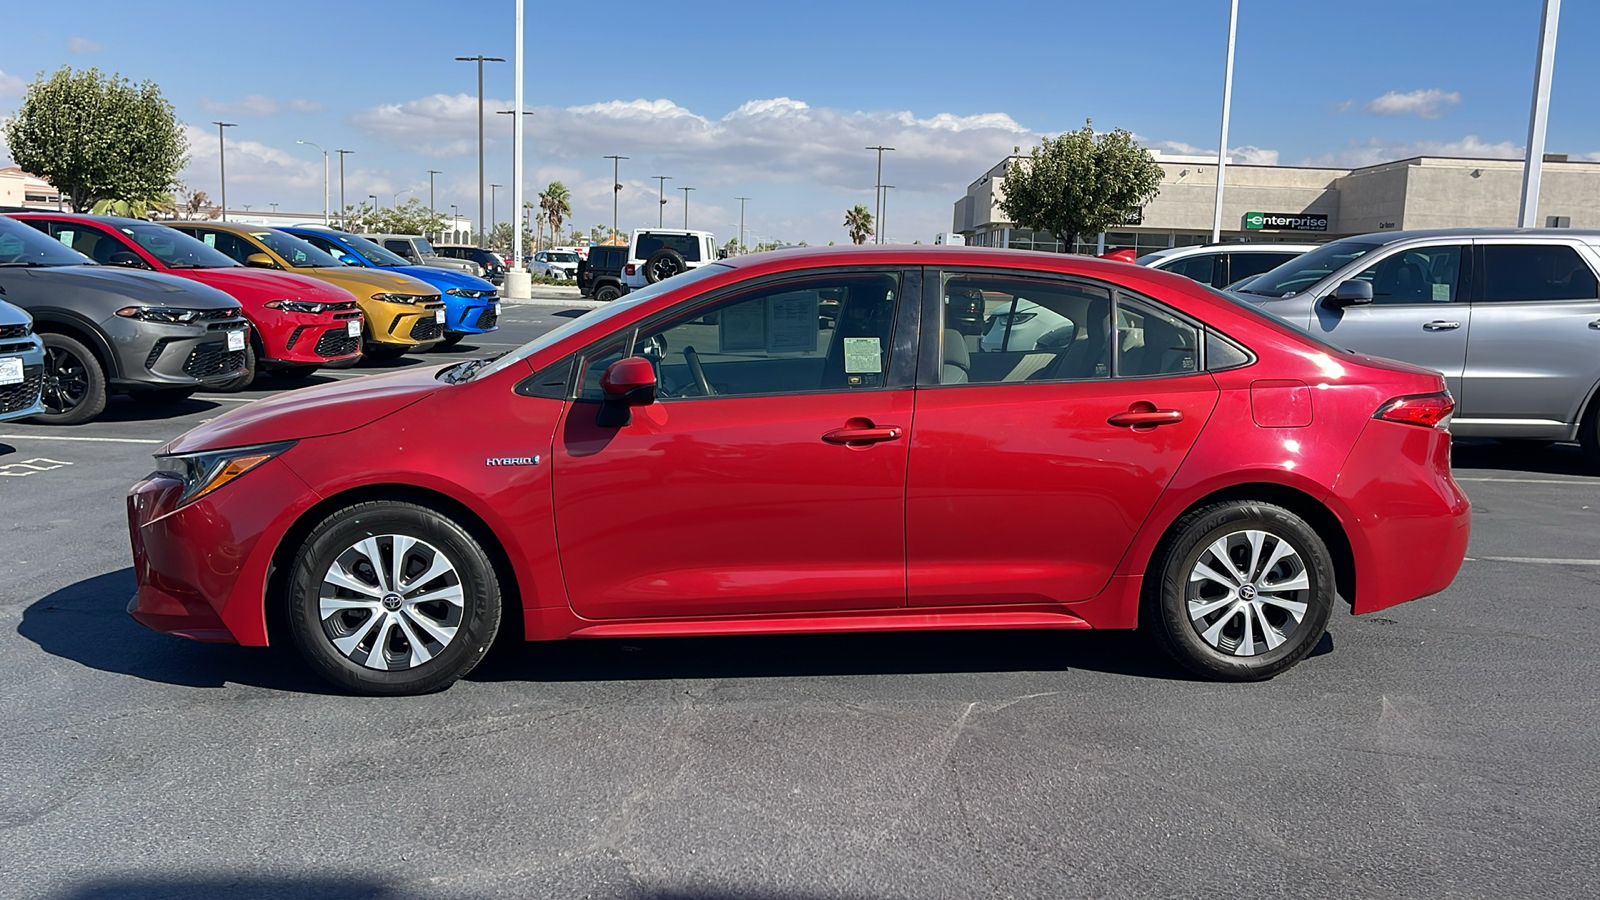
<point x="556" y="201"/>
<point x="858" y="222"/>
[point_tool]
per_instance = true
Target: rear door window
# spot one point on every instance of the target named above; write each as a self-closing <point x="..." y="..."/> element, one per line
<point x="1535" y="272"/>
<point x="1200" y="268"/>
<point x="686" y="244"/>
<point x="1243" y="265"/>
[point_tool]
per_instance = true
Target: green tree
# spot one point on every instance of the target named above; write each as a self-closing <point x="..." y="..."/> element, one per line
<point x="411" y="218"/>
<point x="858" y="222"/>
<point x="731" y="247"/>
<point x="1080" y="183"/>
<point x="556" y="202"/>
<point x="99" y="138"/>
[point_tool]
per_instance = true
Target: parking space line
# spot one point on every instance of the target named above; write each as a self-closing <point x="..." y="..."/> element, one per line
<point x="1594" y="483"/>
<point x="63" y="437"/>
<point x="235" y="399"/>
<point x="1534" y="560"/>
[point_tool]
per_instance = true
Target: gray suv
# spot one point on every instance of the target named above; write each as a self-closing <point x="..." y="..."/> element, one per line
<point x="1510" y="316"/>
<point x="107" y="329"/>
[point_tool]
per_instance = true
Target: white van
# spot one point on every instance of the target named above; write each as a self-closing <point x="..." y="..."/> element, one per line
<point x="950" y="238"/>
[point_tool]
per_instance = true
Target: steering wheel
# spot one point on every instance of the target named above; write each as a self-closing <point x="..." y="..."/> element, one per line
<point x="698" y="371"/>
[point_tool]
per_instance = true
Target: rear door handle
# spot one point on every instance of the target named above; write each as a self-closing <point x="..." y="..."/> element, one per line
<point x="862" y="435"/>
<point x="1148" y="418"/>
<point x="1439" y="325"/>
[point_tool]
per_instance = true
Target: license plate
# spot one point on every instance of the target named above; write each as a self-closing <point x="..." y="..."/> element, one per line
<point x="235" y="341"/>
<point x="11" y="370"/>
<point x="438" y="316"/>
<point x="353" y="328"/>
<point x="497" y="309"/>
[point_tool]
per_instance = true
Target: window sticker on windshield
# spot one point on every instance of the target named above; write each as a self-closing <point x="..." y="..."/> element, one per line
<point x="210" y="239"/>
<point x="862" y="356"/>
<point x="1441" y="292"/>
<point x="742" y="327"/>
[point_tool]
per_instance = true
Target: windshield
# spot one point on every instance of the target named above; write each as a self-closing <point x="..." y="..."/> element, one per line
<point x="423" y="247"/>
<point x="1304" y="271"/>
<point x="177" y="250"/>
<point x="296" y="252"/>
<point x="563" y="257"/>
<point x="372" y="252"/>
<point x="24" y="245"/>
<point x="595" y="319"/>
<point x="687" y="245"/>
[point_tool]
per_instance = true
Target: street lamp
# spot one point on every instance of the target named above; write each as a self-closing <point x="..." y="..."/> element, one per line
<point x="222" y="164"/>
<point x="1222" y="142"/>
<point x="616" y="188"/>
<point x="455" y="222"/>
<point x="480" y="59"/>
<point x="883" y="213"/>
<point x="431" y="173"/>
<point x="274" y="208"/>
<point x="342" y="218"/>
<point x="325" y="219"/>
<point x="877" y="191"/>
<point x="741" y="222"/>
<point x="374" y="199"/>
<point x="686" y="191"/>
<point x="494" y="215"/>
<point x="661" y="194"/>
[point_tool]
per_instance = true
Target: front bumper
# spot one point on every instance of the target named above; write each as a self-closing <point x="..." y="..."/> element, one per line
<point x="471" y="315"/>
<point x="403" y="324"/>
<point x="21" y="399"/>
<point x="301" y="339"/>
<point x="176" y="355"/>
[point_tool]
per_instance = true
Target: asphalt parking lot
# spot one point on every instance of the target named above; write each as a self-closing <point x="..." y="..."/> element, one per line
<point x="1443" y="748"/>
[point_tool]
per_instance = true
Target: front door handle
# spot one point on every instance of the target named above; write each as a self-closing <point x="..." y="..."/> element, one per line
<point x="1595" y="324"/>
<point x="853" y="435"/>
<point x="1147" y="418"/>
<point x="1440" y="325"/>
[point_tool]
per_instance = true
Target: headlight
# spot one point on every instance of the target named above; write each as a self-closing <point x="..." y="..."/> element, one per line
<point x="394" y="298"/>
<point x="166" y="315"/>
<point x="298" y="306"/>
<point x="202" y="473"/>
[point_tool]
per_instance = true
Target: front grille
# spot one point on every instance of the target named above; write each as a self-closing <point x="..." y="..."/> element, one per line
<point x="21" y="396"/>
<point x="347" y="315"/>
<point x="155" y="352"/>
<point x="221" y="318"/>
<point x="24" y="347"/>
<point x="15" y="331"/>
<point x="213" y="359"/>
<point x="426" y="330"/>
<point x="475" y="295"/>
<point x="488" y="318"/>
<point x="335" y="342"/>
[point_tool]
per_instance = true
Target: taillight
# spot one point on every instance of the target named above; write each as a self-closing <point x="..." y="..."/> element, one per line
<point x="628" y="270"/>
<point x="1427" y="410"/>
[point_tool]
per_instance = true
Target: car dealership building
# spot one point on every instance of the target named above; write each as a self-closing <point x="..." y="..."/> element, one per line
<point x="1295" y="203"/>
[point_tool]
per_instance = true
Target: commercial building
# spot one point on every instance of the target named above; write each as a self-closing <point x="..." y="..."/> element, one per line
<point x="19" y="190"/>
<point x="1295" y="203"/>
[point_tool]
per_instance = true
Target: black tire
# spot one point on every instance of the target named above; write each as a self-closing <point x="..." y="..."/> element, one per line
<point x="338" y="539"/>
<point x="384" y="352"/>
<point x="607" y="293"/>
<point x="1524" y="443"/>
<point x="241" y="381"/>
<point x="293" y="373"/>
<point x="663" y="264"/>
<point x="449" y="340"/>
<point x="160" y="396"/>
<point x="1589" y="434"/>
<point x="74" y="382"/>
<point x="1170" y="595"/>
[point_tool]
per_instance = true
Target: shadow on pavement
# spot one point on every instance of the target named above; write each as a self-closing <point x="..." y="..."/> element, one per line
<point x="349" y="888"/>
<point x="126" y="409"/>
<point x="1554" y="459"/>
<point x="88" y="623"/>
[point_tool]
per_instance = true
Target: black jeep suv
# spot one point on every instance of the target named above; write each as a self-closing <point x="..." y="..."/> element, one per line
<point x="600" y="276"/>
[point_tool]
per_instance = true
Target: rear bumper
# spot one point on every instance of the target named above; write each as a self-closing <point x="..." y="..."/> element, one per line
<point x="1407" y="519"/>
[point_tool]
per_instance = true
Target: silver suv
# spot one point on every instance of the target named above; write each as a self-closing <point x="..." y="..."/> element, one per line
<point x="1511" y="317"/>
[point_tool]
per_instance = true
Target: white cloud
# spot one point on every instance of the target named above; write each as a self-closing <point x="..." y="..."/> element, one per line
<point x="1377" y="150"/>
<point x="256" y="105"/>
<point x="11" y="85"/>
<point x="1246" y="155"/>
<point x="1341" y="107"/>
<point x="78" y="44"/>
<point x="1429" y="103"/>
<point x="1593" y="156"/>
<point x="261" y="174"/>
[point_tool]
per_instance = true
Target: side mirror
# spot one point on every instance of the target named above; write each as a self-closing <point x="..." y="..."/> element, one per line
<point x="1350" y="293"/>
<point x="260" y="261"/>
<point x="349" y="260"/>
<point x="722" y="253"/>
<point x="127" y="259"/>
<point x="626" y="383"/>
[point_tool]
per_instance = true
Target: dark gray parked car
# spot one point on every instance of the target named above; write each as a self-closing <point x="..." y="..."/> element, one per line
<point x="107" y="329"/>
<point x="1510" y="316"/>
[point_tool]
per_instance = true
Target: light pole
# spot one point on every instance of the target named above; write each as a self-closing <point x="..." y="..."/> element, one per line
<point x="883" y="212"/>
<point x="343" y="221"/>
<point x="1538" y="116"/>
<point x="480" y="59"/>
<point x="455" y="221"/>
<point x="741" y="222"/>
<point x="616" y="188"/>
<point x="661" y="194"/>
<point x="325" y="219"/>
<point x="274" y="208"/>
<point x="1222" y="142"/>
<point x="222" y="165"/>
<point x="494" y="215"/>
<point x="374" y="199"/>
<point x="686" y="191"/>
<point x="394" y="202"/>
<point x="877" y="191"/>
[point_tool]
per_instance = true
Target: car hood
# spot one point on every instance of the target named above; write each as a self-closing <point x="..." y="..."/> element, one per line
<point x="260" y="283"/>
<point x="311" y="412"/>
<point x="443" y="278"/>
<point x="13" y="315"/>
<point x="376" y="278"/>
<point x="152" y="288"/>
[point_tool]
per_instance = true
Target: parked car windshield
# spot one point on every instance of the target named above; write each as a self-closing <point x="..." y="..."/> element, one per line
<point x="24" y="245"/>
<point x="177" y="250"/>
<point x="1304" y="271"/>
<point x="296" y="252"/>
<point x="562" y="257"/>
<point x="373" y="253"/>
<point x="423" y="247"/>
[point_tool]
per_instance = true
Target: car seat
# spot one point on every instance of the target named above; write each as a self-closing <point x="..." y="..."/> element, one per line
<point x="957" y="360"/>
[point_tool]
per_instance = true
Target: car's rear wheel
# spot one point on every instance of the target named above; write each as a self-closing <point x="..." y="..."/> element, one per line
<point x="1589" y="434"/>
<point x="1241" y="591"/>
<point x="392" y="598"/>
<point x="74" y="388"/>
<point x="607" y="293"/>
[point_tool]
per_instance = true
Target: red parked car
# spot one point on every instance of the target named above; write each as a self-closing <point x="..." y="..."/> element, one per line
<point x="300" y="323"/>
<point x="701" y="457"/>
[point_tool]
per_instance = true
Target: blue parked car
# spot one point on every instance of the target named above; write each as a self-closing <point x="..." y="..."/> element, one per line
<point x="21" y="365"/>
<point x="472" y="305"/>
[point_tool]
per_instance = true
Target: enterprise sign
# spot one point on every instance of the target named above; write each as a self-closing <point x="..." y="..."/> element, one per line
<point x="1257" y="221"/>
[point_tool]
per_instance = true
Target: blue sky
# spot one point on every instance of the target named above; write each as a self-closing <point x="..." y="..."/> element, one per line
<point x="776" y="101"/>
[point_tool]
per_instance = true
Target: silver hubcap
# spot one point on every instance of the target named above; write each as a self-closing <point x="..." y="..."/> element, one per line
<point x="1247" y="593"/>
<point x="391" y="602"/>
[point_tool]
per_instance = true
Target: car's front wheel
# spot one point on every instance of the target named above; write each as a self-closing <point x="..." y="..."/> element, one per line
<point x="1242" y="591"/>
<point x="392" y="598"/>
<point x="74" y="383"/>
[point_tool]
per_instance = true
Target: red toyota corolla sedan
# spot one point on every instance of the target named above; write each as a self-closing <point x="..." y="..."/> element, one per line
<point x="300" y="323"/>
<point x="704" y="458"/>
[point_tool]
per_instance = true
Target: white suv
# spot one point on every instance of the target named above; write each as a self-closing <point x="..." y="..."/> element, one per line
<point x="1222" y="265"/>
<point x="658" y="253"/>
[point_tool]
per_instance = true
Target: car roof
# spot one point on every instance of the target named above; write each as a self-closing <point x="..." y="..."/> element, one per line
<point x="1234" y="247"/>
<point x="1589" y="235"/>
